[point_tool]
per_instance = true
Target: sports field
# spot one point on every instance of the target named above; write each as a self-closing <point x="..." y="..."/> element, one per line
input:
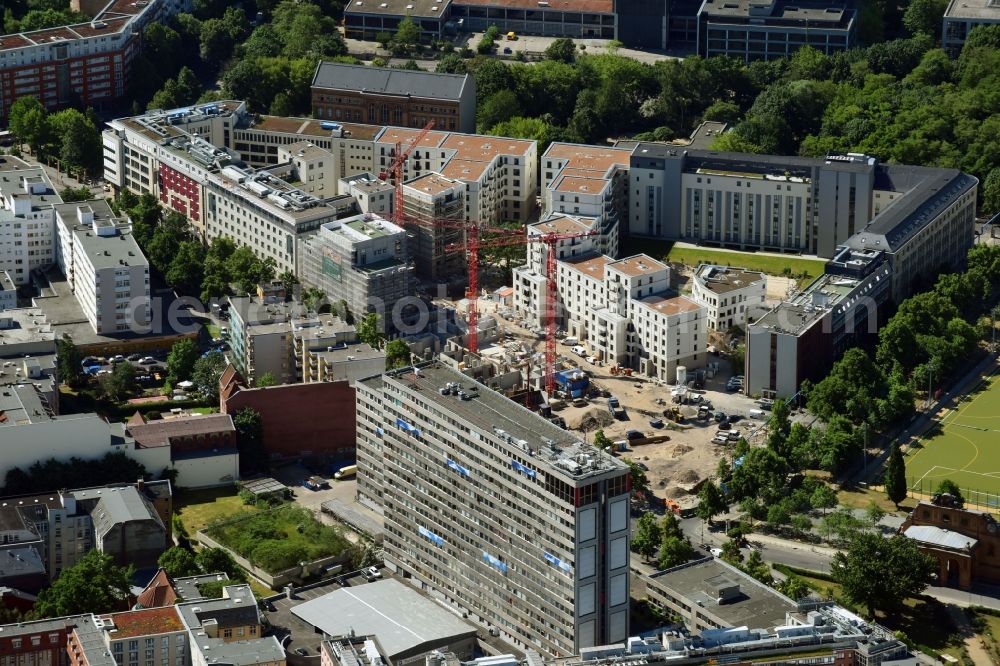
<point x="964" y="447"/>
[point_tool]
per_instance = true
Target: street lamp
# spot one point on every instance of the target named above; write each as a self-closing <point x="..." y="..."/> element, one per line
<point x="931" y="367"/>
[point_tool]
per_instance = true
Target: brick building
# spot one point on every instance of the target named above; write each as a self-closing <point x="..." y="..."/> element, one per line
<point x="965" y="542"/>
<point x="86" y="64"/>
<point x="402" y="98"/>
<point x="316" y="419"/>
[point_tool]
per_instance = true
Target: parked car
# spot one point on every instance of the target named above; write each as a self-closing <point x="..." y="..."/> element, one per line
<point x="633" y="434"/>
<point x="147" y="360"/>
<point x="372" y="574"/>
<point x="735" y="435"/>
<point x="724" y="425"/>
<point x="118" y="358"/>
<point x="656" y="423"/>
<point x="720" y="417"/>
<point x="735" y="418"/>
<point x="580" y="402"/>
<point x="720" y="439"/>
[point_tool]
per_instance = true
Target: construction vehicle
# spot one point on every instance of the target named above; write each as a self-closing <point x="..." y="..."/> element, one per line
<point x="674" y="414"/>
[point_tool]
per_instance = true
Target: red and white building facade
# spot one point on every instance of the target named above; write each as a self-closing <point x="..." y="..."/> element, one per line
<point x="87" y="64"/>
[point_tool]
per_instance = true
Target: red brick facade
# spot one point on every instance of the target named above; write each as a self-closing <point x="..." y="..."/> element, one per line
<point x="180" y="193"/>
<point x="298" y="419"/>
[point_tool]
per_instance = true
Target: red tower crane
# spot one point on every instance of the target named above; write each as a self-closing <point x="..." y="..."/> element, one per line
<point x="509" y="237"/>
<point x="395" y="170"/>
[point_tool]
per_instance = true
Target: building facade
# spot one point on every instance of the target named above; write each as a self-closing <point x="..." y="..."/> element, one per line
<point x="503" y="513"/>
<point x="728" y="294"/>
<point x="398" y="97"/>
<point x="86" y="64"/>
<point x="429" y="203"/>
<point x="961" y="17"/>
<point x="364" y="261"/>
<point x="768" y="29"/>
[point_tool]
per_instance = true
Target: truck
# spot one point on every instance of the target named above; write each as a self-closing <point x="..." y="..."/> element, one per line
<point x="346" y="472"/>
<point x="615" y="407"/>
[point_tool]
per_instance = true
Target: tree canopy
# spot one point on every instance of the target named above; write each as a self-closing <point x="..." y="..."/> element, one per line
<point x="95" y="584"/>
<point x="879" y="573"/>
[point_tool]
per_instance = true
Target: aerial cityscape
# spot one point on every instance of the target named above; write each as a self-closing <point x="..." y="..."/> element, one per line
<point x="499" y="332"/>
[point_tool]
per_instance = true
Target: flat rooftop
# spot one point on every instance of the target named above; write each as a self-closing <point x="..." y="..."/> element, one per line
<point x="360" y="351"/>
<point x="814" y="12"/>
<point x="23" y="561"/>
<point x="637" y="265"/>
<point x="313" y="128"/>
<point x="430" y="9"/>
<point x="562" y="224"/>
<point x="597" y="160"/>
<point x="978" y="10"/>
<point x="21" y="404"/>
<point x="669" y="304"/>
<point x="586" y="6"/>
<point x="592" y="266"/>
<point x="12" y="184"/>
<point x="187" y="586"/>
<point x="552" y="449"/>
<point x="24" y="325"/>
<point x="580" y="184"/>
<point x="757" y="605"/>
<point x="723" y="279"/>
<point x="144" y="622"/>
<point x="404" y="621"/>
<point x="432" y="184"/>
<point x="386" y="81"/>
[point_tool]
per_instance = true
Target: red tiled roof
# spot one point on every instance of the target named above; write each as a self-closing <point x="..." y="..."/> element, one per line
<point x="159" y="592"/>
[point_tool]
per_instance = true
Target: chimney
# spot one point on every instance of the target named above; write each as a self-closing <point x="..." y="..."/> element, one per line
<point x="140" y="485"/>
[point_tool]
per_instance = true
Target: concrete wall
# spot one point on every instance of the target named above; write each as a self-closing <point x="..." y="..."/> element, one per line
<point x="207" y="471"/>
<point x="84" y="436"/>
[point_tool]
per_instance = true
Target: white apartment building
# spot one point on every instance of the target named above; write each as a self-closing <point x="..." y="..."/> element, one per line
<point x="104" y="267"/>
<point x="727" y="294"/>
<point x="587" y="181"/>
<point x="499" y="512"/>
<point x="27" y="227"/>
<point x="372" y="194"/>
<point x="8" y="292"/>
<point x="314" y="167"/>
<point x="623" y="311"/>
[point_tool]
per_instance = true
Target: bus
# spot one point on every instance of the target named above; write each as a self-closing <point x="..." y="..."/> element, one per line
<point x="346" y="472"/>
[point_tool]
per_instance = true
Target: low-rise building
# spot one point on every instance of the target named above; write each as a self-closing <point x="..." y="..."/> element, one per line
<point x="960" y="17"/>
<point x="363" y="261"/>
<point x="229" y="630"/>
<point x="728" y="294"/>
<point x="28" y="353"/>
<point x="398" y="97"/>
<point x="584" y="19"/>
<point x="369" y="18"/>
<point x="800" y="338"/>
<point x="769" y="29"/>
<point x="202" y="446"/>
<point x="406" y="624"/>
<point x="292" y="425"/>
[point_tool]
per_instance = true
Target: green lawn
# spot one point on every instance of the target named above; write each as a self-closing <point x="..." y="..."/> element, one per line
<point x="204" y="410"/>
<point x="213" y="330"/>
<point x="200" y="508"/>
<point x="772" y="265"/>
<point x="963" y="447"/>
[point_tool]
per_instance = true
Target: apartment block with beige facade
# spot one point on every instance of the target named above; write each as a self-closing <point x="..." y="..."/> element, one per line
<point x="728" y="294"/>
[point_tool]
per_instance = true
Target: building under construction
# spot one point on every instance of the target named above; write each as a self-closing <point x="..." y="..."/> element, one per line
<point x="433" y="211"/>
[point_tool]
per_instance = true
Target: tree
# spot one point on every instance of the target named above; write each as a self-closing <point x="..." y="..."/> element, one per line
<point x="497" y="108"/>
<point x="880" y="573"/>
<point x="895" y="476"/>
<point x="180" y="362"/>
<point x="93" y="585"/>
<point x="120" y="384"/>
<point x="178" y="562"/>
<point x="206" y="373"/>
<point x="640" y="482"/>
<point x="217" y="560"/>
<point x="397" y="354"/>
<point x="186" y="270"/>
<point x="757" y="568"/>
<point x="216" y="42"/>
<point x="925" y="16"/>
<point x="265" y="380"/>
<point x="29" y="121"/>
<point x="761" y="474"/>
<point x="451" y="64"/>
<point x="562" y="49"/>
<point x="369" y="331"/>
<point x="288" y="281"/>
<point x="674" y="550"/>
<point x="407" y="33"/>
<point x="778" y="514"/>
<point x="70" y="362"/>
<point x="874" y="514"/>
<point x="647" y="536"/>
<point x="793" y="587"/>
<point x="949" y="487"/>
<point x="602" y="441"/>
<point x="823" y="497"/>
<point x="250" y="440"/>
<point x="731" y="552"/>
<point x="710" y="501"/>
<point x="263" y="42"/>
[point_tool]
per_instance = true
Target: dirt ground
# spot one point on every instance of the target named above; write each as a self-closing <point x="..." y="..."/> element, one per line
<point x="677" y="466"/>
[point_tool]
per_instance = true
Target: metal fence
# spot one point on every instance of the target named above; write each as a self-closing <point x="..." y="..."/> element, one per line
<point x="975" y="498"/>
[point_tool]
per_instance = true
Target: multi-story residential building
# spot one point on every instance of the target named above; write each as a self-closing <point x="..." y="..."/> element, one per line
<point x="922" y="217"/>
<point x="372" y="194"/>
<point x="229" y="630"/>
<point x="313" y="168"/>
<point x="727" y="294"/>
<point x="800" y="338"/>
<point x="587" y="181"/>
<point x="503" y="514"/>
<point x="345" y="363"/>
<point x="961" y="17"/>
<point x="104" y="267"/>
<point x="623" y="310"/>
<point x="124" y="521"/>
<point x="138" y="636"/>
<point x="8" y="291"/>
<point x="429" y="202"/>
<point x="769" y="29"/>
<point x="364" y="261"/>
<point x="397" y="97"/>
<point x="84" y="64"/>
<point x="27" y="227"/>
<point x="41" y="643"/>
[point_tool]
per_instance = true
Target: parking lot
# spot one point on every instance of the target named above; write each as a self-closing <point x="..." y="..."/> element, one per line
<point x="344" y="490"/>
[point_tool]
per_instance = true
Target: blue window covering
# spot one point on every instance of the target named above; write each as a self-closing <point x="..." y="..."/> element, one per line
<point x="556" y="562"/>
<point x="497" y="564"/>
<point x="522" y="468"/>
<point x="427" y="534"/>
<point x="458" y="468"/>
<point x="408" y="427"/>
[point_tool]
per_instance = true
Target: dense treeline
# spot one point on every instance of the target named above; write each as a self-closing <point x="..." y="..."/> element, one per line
<point x="52" y="474"/>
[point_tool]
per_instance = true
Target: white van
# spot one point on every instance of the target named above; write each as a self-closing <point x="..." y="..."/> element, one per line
<point x="579" y="350"/>
<point x="570" y="341"/>
<point x="756" y="414"/>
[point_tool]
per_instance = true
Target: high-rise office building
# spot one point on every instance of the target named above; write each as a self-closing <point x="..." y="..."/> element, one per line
<point x="500" y="512"/>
